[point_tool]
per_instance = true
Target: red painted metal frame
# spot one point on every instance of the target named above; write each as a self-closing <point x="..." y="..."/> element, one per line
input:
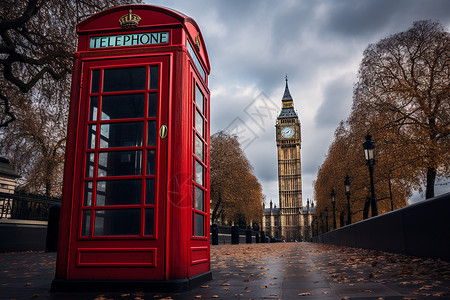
<point x="183" y="254"/>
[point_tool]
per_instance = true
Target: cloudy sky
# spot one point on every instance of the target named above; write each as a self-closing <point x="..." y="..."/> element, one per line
<point x="319" y="44"/>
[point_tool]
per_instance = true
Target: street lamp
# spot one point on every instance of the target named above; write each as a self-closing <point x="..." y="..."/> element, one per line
<point x="333" y="201"/>
<point x="369" y="152"/>
<point x="347" y="183"/>
<point x="326" y="218"/>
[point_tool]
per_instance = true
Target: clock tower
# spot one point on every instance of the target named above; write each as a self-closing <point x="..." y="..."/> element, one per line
<point x="288" y="137"/>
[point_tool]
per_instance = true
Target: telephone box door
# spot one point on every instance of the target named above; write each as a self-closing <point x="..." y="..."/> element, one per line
<point x="118" y="224"/>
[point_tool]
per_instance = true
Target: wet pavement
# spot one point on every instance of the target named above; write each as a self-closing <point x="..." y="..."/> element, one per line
<point x="262" y="271"/>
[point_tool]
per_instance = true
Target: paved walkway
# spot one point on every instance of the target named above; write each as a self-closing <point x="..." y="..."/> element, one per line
<point x="262" y="271"/>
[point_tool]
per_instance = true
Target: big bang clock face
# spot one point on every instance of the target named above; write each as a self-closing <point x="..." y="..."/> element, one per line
<point x="287" y="132"/>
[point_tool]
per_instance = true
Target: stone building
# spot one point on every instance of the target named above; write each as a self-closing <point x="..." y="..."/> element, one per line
<point x="291" y="221"/>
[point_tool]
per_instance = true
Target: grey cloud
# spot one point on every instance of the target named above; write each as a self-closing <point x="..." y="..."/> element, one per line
<point x="336" y="104"/>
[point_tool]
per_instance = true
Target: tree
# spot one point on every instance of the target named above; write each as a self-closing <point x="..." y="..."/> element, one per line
<point x="236" y="194"/>
<point x="38" y="40"/>
<point x="404" y="86"/>
<point x="402" y="99"/>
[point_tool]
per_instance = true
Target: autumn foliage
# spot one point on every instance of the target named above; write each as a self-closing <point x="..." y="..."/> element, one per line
<point x="236" y="194"/>
<point x="38" y="40"/>
<point x="402" y="98"/>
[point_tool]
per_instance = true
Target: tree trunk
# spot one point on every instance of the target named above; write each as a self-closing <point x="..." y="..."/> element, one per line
<point x="431" y="178"/>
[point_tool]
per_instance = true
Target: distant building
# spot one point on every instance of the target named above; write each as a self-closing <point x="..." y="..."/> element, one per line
<point x="291" y="221"/>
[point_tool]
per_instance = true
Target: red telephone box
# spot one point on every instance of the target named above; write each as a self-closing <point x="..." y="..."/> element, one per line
<point x="135" y="209"/>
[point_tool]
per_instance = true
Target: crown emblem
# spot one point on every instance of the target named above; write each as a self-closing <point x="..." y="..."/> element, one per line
<point x="129" y="20"/>
<point x="197" y="41"/>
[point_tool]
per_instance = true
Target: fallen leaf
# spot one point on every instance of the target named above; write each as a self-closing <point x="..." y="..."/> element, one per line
<point x="215" y="296"/>
<point x="305" y="294"/>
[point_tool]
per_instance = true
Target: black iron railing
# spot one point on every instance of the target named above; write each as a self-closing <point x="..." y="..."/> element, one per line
<point x="25" y="206"/>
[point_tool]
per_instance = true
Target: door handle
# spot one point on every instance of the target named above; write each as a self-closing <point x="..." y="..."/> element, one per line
<point x="163" y="131"/>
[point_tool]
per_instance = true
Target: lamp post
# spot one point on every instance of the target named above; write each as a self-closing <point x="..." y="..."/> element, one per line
<point x="333" y="202"/>
<point x="326" y="218"/>
<point x="347" y="192"/>
<point x="369" y="152"/>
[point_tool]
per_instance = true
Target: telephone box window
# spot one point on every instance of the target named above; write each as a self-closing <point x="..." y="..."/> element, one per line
<point x="119" y="163"/>
<point x="93" y="109"/>
<point x="90" y="164"/>
<point x="91" y="137"/>
<point x="153" y="77"/>
<point x="150" y="191"/>
<point x="152" y="104"/>
<point x="118" y="192"/>
<point x="198" y="173"/>
<point x="199" y="225"/>
<point x="151" y="133"/>
<point x="198" y="147"/>
<point x="88" y="193"/>
<point x="123" y="106"/>
<point x="86" y="224"/>
<point x="198" y="196"/>
<point x="123" y="123"/>
<point x="150" y="162"/>
<point x="128" y="134"/>
<point x="199" y="122"/>
<point x="199" y="98"/>
<point x="149" y="216"/>
<point x="124" y="79"/>
<point x="117" y="222"/>
<point x="95" y="81"/>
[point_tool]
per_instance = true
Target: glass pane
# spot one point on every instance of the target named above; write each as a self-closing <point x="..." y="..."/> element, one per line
<point x="149" y="217"/>
<point x="119" y="163"/>
<point x="199" y="225"/>
<point x="150" y="162"/>
<point x="123" y="106"/>
<point x="121" y="135"/>
<point x="198" y="122"/>
<point x="117" y="222"/>
<point x="198" y="147"/>
<point x="152" y="104"/>
<point x="153" y="77"/>
<point x="124" y="79"/>
<point x="93" y="109"/>
<point x="150" y="191"/>
<point x="198" y="196"/>
<point x="198" y="173"/>
<point x="118" y="192"/>
<point x="88" y="193"/>
<point x="95" y="81"/>
<point x="86" y="224"/>
<point x="151" y="133"/>
<point x="90" y="164"/>
<point x="91" y="137"/>
<point x="199" y="98"/>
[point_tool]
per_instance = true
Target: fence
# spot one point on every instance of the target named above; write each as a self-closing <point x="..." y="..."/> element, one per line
<point x="24" y="206"/>
<point x="235" y="235"/>
<point x="23" y="221"/>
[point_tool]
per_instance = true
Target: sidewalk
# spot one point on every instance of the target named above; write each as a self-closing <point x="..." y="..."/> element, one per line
<point x="262" y="271"/>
